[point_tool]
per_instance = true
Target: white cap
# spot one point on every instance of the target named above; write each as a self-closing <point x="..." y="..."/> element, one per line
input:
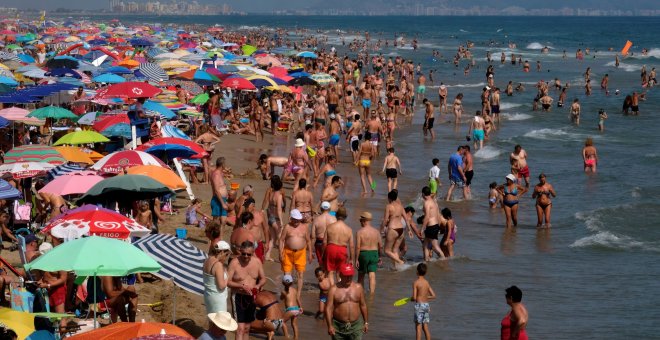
<point x="299" y="143"/>
<point x="296" y="215"/>
<point x="333" y="116"/>
<point x="222" y="245"/>
<point x="325" y="205"/>
<point x="45" y="247"/>
<point x="511" y="177"/>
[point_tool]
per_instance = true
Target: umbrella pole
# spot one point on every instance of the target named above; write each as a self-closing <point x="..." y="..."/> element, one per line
<point x="174" y="301"/>
<point x="95" y="301"/>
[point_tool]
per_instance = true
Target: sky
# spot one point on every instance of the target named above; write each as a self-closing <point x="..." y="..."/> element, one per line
<point x="269" y="5"/>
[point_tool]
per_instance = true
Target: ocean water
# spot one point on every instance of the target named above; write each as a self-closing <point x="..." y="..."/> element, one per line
<point x="594" y="275"/>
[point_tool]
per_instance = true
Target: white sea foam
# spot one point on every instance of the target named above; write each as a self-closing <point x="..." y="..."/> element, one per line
<point x="464" y="31"/>
<point x="508" y="106"/>
<point x="552" y="134"/>
<point x="516" y="116"/>
<point x="625" y="67"/>
<point x="469" y="85"/>
<point x="535" y="46"/>
<point x="607" y="239"/>
<point x="488" y="152"/>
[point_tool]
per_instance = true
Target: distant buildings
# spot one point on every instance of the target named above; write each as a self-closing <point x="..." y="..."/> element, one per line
<point x="168" y="7"/>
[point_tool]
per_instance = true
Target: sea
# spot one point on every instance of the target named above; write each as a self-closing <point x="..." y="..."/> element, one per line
<point x="596" y="273"/>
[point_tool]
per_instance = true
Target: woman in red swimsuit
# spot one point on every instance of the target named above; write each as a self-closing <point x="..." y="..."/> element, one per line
<point x="515" y="322"/>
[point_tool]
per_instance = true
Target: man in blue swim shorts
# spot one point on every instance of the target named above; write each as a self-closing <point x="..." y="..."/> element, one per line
<point x="477" y="128"/>
<point x="219" y="207"/>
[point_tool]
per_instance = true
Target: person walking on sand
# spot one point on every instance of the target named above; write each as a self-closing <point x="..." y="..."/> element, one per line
<point x="367" y="246"/>
<point x="295" y="247"/>
<point x="422" y="293"/>
<point x="318" y="230"/>
<point x="346" y="302"/>
<point x="542" y="193"/>
<point x="338" y="244"/>
<point x="246" y="278"/>
<point x="392" y="168"/>
<point x="219" y="207"/>
<point x="589" y="156"/>
<point x="515" y="322"/>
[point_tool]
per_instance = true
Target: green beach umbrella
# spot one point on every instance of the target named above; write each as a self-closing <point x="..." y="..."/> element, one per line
<point x="132" y="187"/>
<point x="96" y="256"/>
<point x="200" y="99"/>
<point x="51" y="111"/>
<point x="248" y="49"/>
<point x="81" y="137"/>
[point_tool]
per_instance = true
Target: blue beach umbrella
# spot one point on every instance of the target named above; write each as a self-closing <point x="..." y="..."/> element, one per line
<point x="170" y="151"/>
<point x="8" y="192"/>
<point x="8" y="81"/>
<point x="118" y="70"/>
<point x="109" y="78"/>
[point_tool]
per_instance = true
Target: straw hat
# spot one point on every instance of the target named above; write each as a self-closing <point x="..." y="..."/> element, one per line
<point x="223" y="320"/>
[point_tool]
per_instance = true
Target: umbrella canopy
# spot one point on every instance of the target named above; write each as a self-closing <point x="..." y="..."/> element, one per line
<point x="118" y="70"/>
<point x="98" y="222"/>
<point x="238" y="83"/>
<point x="63" y="169"/>
<point x="170" y="151"/>
<point x="109" y="78"/>
<point x="76" y="155"/>
<point x="165" y="176"/>
<point x="34" y="153"/>
<point x="180" y="260"/>
<point x="153" y="72"/>
<point x="200" y="99"/>
<point x="161" y="337"/>
<point x="116" y="162"/>
<point x="173" y="63"/>
<point x="25" y="169"/>
<point x="198" y="149"/>
<point x="131" y="330"/>
<point x="96" y="256"/>
<point x="303" y="81"/>
<point x="323" y="78"/>
<point x="72" y="183"/>
<point x="20" y="322"/>
<point x="110" y="120"/>
<point x="307" y="54"/>
<point x="129" y="89"/>
<point x="52" y="111"/>
<point x="81" y="137"/>
<point x="133" y="187"/>
<point x="8" y="192"/>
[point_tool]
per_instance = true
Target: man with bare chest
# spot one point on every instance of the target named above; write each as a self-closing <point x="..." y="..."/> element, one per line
<point x="246" y="277"/>
<point x="318" y="230"/>
<point x="338" y="244"/>
<point x="295" y="247"/>
<point x="346" y="302"/>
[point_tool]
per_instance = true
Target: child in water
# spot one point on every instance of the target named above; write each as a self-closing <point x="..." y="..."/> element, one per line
<point x="324" y="287"/>
<point x="602" y="115"/>
<point x="493" y="196"/>
<point x="422" y="293"/>
<point x="292" y="303"/>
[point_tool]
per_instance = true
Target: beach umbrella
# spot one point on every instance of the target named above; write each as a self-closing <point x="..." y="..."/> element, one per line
<point x="118" y="70"/>
<point x="126" y="187"/>
<point x="165" y="176"/>
<point x="61" y="63"/>
<point x="107" y="121"/>
<point x="261" y="81"/>
<point x="118" y="130"/>
<point x="88" y="118"/>
<point x="302" y="81"/>
<point x="4" y="122"/>
<point x="167" y="55"/>
<point x="4" y="88"/>
<point x="35" y="73"/>
<point x="323" y="79"/>
<point x="268" y="61"/>
<point x="180" y="260"/>
<point x="132" y="330"/>
<point x="198" y="149"/>
<point x="63" y="72"/>
<point x="14" y="113"/>
<point x="62" y="170"/>
<point x="54" y="112"/>
<point x="94" y="222"/>
<point x="8" y="56"/>
<point x="173" y="63"/>
<point x="116" y="162"/>
<point x="129" y="89"/>
<point x="81" y="137"/>
<point x="74" y="154"/>
<point x="109" y="78"/>
<point x="72" y="183"/>
<point x="25" y="169"/>
<point x="170" y="151"/>
<point x="307" y="54"/>
<point x="227" y="69"/>
<point x="129" y="63"/>
<point x="238" y="83"/>
<point x="248" y="49"/>
<point x="140" y="42"/>
<point x="200" y="99"/>
<point x="153" y="72"/>
<point x="34" y="153"/>
<point x="20" y="322"/>
<point x="8" y="192"/>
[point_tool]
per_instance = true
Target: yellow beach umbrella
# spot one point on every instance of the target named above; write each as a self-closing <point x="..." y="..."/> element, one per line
<point x="74" y="154"/>
<point x="173" y="63"/>
<point x="22" y="323"/>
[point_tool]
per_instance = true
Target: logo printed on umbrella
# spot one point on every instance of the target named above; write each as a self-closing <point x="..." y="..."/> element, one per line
<point x="108" y="225"/>
<point x="137" y="91"/>
<point x="123" y="162"/>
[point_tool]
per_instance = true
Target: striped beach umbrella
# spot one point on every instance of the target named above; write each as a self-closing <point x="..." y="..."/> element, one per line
<point x="8" y="192"/>
<point x="323" y="79"/>
<point x="63" y="170"/>
<point x="180" y="260"/>
<point x="34" y="153"/>
<point x="116" y="162"/>
<point x="9" y="56"/>
<point x="153" y="72"/>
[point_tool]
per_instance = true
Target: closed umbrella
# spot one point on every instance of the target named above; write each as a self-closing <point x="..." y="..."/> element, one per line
<point x="54" y="112"/>
<point x="81" y="137"/>
<point x="73" y="183"/>
<point x="127" y="187"/>
<point x="116" y="162"/>
<point x="34" y="153"/>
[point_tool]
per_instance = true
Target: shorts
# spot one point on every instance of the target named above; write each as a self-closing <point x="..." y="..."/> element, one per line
<point x="468" y="177"/>
<point x="495" y="108"/>
<point x="421" y="89"/>
<point x="335" y="256"/>
<point x="334" y="140"/>
<point x="524" y="172"/>
<point x="259" y="251"/>
<point x="422" y="310"/>
<point x="274" y="117"/>
<point x="428" y="124"/>
<point x="390" y="172"/>
<point x="332" y="108"/>
<point x="589" y="163"/>
<point x="57" y="296"/>
<point x="348" y="331"/>
<point x="216" y="207"/>
<point x="368" y="260"/>
<point x="431" y="232"/>
<point x="478" y="135"/>
<point x="546" y="106"/>
<point x="355" y="145"/>
<point x="245" y="308"/>
<point x="318" y="250"/>
<point x="634" y="108"/>
<point x="320" y="120"/>
<point x="458" y="182"/>
<point x="433" y="185"/>
<point x="366" y="103"/>
<point x="294" y="258"/>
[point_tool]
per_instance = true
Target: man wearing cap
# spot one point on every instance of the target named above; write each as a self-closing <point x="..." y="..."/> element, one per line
<point x="246" y="278"/>
<point x="338" y="244"/>
<point x="248" y="192"/>
<point x="345" y="304"/>
<point x="335" y="131"/>
<point x="220" y="323"/>
<point x="367" y="246"/>
<point x="318" y="230"/>
<point x="295" y="247"/>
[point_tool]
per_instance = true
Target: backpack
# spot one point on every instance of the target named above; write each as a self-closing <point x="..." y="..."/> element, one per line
<point x="22" y="212"/>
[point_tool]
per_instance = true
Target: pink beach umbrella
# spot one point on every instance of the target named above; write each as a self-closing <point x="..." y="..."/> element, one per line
<point x="73" y="183"/>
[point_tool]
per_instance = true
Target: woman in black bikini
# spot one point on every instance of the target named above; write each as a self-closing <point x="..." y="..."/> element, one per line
<point x="510" y="192"/>
<point x="542" y="193"/>
<point x="392" y="227"/>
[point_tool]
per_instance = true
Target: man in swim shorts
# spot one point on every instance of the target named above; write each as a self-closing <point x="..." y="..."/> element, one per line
<point x="518" y="159"/>
<point x="295" y="247"/>
<point x="219" y="207"/>
<point x="477" y="127"/>
<point x="367" y="246"/>
<point x="337" y="244"/>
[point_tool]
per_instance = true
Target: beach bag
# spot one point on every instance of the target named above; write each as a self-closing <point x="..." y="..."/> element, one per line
<point x="22" y="212"/>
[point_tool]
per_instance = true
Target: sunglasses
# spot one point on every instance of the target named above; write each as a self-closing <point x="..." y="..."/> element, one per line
<point x="246" y="254"/>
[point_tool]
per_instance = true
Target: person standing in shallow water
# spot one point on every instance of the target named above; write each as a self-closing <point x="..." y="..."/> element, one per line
<point x="515" y="322"/>
<point x="542" y="193"/>
<point x="589" y="155"/>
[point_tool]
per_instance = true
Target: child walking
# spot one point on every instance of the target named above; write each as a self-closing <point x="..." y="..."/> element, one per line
<point x="292" y="303"/>
<point x="422" y="293"/>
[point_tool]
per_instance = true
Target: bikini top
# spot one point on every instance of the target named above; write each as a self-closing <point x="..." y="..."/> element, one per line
<point x="331" y="172"/>
<point x="514" y="192"/>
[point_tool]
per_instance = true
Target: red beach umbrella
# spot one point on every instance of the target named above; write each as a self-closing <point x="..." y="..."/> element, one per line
<point x="238" y="83"/>
<point x="129" y="89"/>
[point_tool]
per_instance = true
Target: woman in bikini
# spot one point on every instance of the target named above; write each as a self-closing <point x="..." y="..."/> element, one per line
<point x="511" y="191"/>
<point x="207" y="139"/>
<point x="328" y="171"/>
<point x="276" y="207"/>
<point x="392" y="227"/>
<point x="366" y="153"/>
<point x="458" y="107"/>
<point x="542" y="193"/>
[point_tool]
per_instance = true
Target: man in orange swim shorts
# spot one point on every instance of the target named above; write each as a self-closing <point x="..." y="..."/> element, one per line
<point x="295" y="247"/>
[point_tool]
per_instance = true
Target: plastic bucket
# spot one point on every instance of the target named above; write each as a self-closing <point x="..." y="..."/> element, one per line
<point x="235" y="186"/>
<point x="181" y="233"/>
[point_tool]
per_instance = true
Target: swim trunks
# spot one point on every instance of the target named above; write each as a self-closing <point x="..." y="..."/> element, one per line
<point x="468" y="177"/>
<point x="334" y="140"/>
<point x="332" y="108"/>
<point x="524" y="172"/>
<point x="259" y="250"/>
<point x="368" y="260"/>
<point x="355" y="143"/>
<point x="478" y="135"/>
<point x="274" y="117"/>
<point x="546" y="106"/>
<point x="366" y="103"/>
<point x="495" y="108"/>
<point x="294" y="258"/>
<point x="347" y="330"/>
<point x="589" y="163"/>
<point x="57" y="296"/>
<point x="458" y="182"/>
<point x="433" y="185"/>
<point x="431" y="232"/>
<point x="318" y="250"/>
<point x="391" y="172"/>
<point x="216" y="207"/>
<point x="245" y="308"/>
<point x="335" y="256"/>
<point x="422" y="310"/>
<point x="421" y="89"/>
<point x="428" y="124"/>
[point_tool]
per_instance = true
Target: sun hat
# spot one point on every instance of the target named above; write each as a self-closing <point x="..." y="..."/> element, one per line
<point x="510" y="177"/>
<point x="366" y="216"/>
<point x="296" y="215"/>
<point x="299" y="143"/>
<point x="223" y="320"/>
